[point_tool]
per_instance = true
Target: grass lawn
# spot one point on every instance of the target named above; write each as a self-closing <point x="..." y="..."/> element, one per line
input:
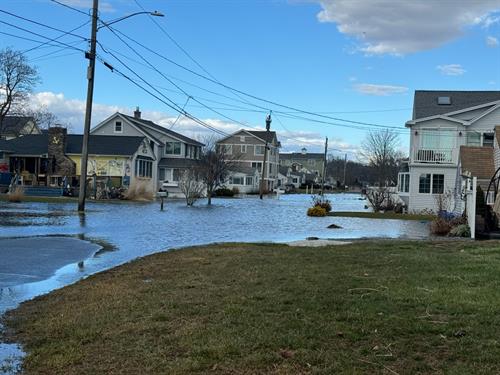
<point x="382" y="215"/>
<point x="388" y="307"/>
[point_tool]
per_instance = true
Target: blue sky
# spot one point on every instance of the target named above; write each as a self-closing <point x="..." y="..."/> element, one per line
<point x="353" y="60"/>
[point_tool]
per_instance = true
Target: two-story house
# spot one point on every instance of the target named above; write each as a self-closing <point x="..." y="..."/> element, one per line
<point x="312" y="162"/>
<point x="173" y="152"/>
<point x="247" y="148"/>
<point x="442" y="122"/>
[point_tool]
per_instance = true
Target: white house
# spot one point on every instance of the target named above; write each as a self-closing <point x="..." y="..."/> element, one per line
<point x="442" y="122"/>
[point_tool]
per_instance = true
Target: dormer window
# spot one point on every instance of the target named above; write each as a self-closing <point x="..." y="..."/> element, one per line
<point x="118" y="127"/>
<point x="444" y="100"/>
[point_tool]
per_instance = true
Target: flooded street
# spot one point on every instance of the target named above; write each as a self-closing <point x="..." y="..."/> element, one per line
<point x="131" y="230"/>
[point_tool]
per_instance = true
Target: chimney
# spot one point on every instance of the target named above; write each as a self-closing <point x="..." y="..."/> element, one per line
<point x="304" y="151"/>
<point x="60" y="164"/>
<point x="137" y="113"/>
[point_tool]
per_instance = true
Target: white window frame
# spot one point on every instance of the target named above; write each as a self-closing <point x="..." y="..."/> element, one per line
<point x="243" y="149"/>
<point x="242" y="138"/>
<point x="260" y="147"/>
<point x="121" y="127"/>
<point x="173" y="148"/>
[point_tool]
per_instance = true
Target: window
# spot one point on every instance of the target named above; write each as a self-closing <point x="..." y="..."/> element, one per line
<point x="173" y="148"/>
<point x="437" y="183"/>
<point x="490" y="198"/>
<point x="161" y="175"/>
<point x="473" y="139"/>
<point x="143" y="168"/>
<point x="243" y="149"/>
<point x="249" y="181"/>
<point x="236" y="181"/>
<point x="488" y="139"/>
<point x="424" y="183"/>
<point x="259" y="150"/>
<point x="118" y="127"/>
<point x="404" y="183"/>
<point x="177" y="173"/>
<point x="242" y="138"/>
<point x="444" y="100"/>
<point x="226" y="149"/>
<point x="257" y="165"/>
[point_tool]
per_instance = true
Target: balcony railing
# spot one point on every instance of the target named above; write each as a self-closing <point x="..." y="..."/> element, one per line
<point x="439" y="156"/>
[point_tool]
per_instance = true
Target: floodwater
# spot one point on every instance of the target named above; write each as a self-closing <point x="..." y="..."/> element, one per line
<point x="131" y="230"/>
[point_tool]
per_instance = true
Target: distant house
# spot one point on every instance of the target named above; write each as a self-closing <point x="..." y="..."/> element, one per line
<point x="247" y="148"/>
<point x="17" y="126"/>
<point x="49" y="158"/>
<point x="314" y="163"/>
<point x="174" y="152"/>
<point x="450" y="132"/>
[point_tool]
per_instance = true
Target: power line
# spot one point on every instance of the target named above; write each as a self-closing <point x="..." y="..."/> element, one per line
<point x="70" y="7"/>
<point x="59" y="37"/>
<point x="43" y="25"/>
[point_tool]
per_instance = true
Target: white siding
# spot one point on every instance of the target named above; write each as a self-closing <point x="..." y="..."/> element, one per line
<point x="489" y="121"/>
<point x="422" y="201"/>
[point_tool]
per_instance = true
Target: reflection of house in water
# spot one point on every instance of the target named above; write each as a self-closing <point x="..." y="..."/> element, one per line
<point x="48" y="159"/>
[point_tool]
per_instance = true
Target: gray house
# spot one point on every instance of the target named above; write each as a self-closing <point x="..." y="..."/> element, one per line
<point x="247" y="147"/>
<point x="17" y="126"/>
<point x="174" y="152"/>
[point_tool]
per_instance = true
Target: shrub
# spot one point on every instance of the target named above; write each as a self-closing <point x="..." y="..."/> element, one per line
<point x="224" y="192"/>
<point x="440" y="226"/>
<point x="235" y="190"/>
<point x="16" y="195"/>
<point x="139" y="191"/>
<point x="316" y="211"/>
<point x="461" y="230"/>
<point x="321" y="201"/>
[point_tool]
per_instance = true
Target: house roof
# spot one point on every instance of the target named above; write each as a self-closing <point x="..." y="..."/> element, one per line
<point x="177" y="163"/>
<point x="147" y="123"/>
<point x="37" y="144"/>
<point x="14" y="124"/>
<point x="425" y="103"/>
<point x="478" y="161"/>
<point x="300" y="155"/>
<point x="267" y="136"/>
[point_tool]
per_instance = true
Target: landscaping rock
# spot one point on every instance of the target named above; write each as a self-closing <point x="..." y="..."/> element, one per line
<point x="334" y="226"/>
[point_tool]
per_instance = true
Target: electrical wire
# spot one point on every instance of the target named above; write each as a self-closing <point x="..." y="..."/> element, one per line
<point x="70" y="7"/>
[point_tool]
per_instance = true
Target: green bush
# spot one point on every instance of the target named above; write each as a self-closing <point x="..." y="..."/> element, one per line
<point x="224" y="192"/>
<point x="316" y="211"/>
<point x="461" y="230"/>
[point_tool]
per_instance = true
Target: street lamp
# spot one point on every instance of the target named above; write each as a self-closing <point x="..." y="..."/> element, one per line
<point x="90" y="95"/>
<point x="268" y="128"/>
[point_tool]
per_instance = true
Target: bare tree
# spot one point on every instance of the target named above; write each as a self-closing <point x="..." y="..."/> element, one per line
<point x="215" y="165"/>
<point x="191" y="186"/>
<point x="17" y="80"/>
<point x="380" y="150"/>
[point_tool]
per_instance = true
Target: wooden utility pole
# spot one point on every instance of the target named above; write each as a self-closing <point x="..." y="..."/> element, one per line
<point x="88" y="109"/>
<point x="324" y="168"/>
<point x="262" y="180"/>
<point x="345" y="166"/>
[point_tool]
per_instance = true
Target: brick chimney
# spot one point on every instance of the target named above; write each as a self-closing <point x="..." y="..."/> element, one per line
<point x="137" y="113"/>
<point x="59" y="163"/>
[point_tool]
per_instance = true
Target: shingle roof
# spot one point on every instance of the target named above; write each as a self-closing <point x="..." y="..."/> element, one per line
<point x="37" y="144"/>
<point x="478" y="161"/>
<point x="267" y="136"/>
<point x="299" y="155"/>
<point x="425" y="103"/>
<point x="14" y="124"/>
<point x="141" y="122"/>
<point x="177" y="163"/>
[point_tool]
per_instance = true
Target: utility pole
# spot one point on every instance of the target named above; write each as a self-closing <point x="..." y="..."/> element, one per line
<point x="88" y="109"/>
<point x="324" y="168"/>
<point x="268" y="127"/>
<point x="345" y="166"/>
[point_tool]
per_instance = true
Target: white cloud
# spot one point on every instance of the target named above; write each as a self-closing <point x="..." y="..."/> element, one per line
<point x="71" y="112"/>
<point x="491" y="41"/>
<point x="379" y="90"/>
<point x="402" y="27"/>
<point x="451" y="69"/>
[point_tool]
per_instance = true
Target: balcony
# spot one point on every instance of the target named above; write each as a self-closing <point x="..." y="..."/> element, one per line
<point x="435" y="156"/>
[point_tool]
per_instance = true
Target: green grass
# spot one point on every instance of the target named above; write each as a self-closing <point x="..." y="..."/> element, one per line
<point x="382" y="215"/>
<point x="388" y="307"/>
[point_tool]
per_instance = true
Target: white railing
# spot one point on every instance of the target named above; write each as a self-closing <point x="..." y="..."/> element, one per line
<point x="433" y="156"/>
